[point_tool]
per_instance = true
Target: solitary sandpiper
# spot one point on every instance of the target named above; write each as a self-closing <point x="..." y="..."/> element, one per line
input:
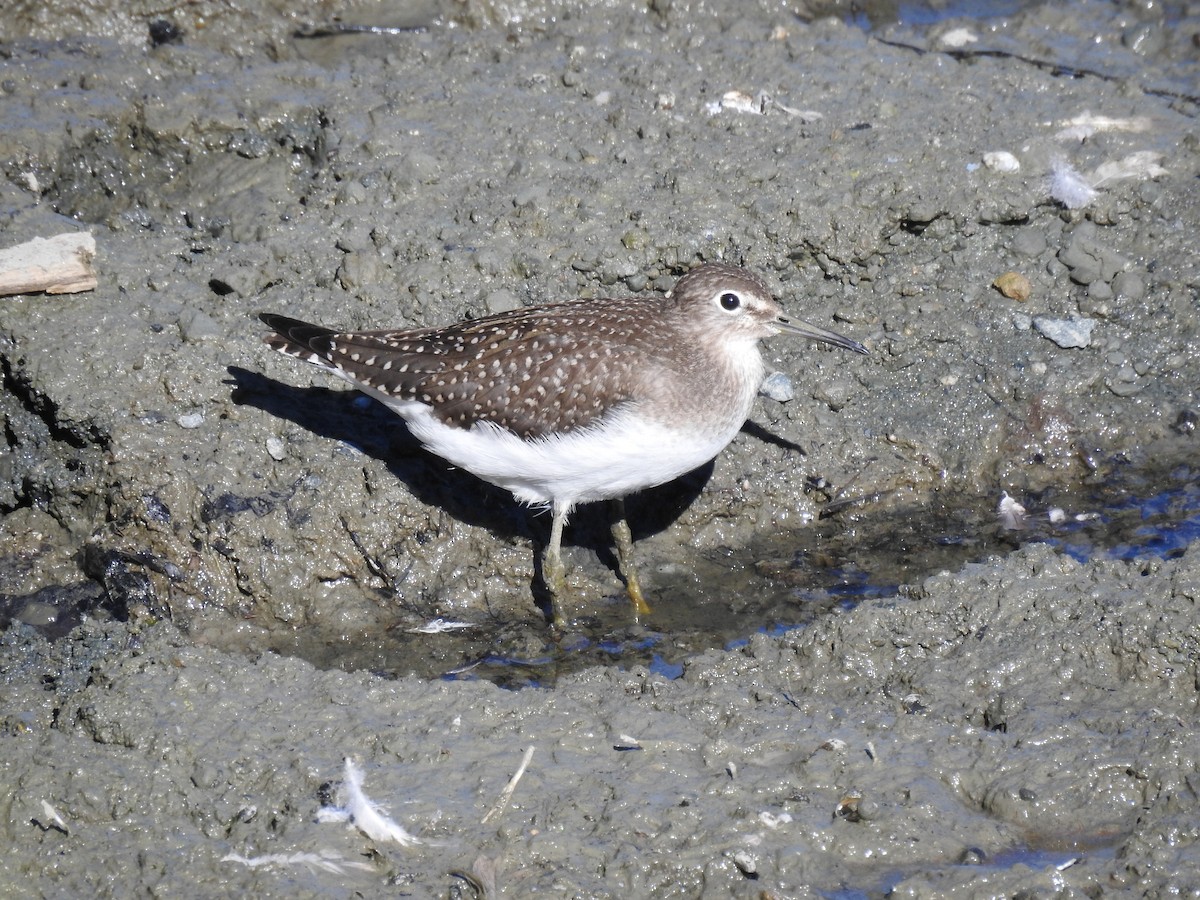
<point x="573" y="402"/>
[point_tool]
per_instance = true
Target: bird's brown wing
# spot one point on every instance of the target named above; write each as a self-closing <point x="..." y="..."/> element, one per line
<point x="534" y="371"/>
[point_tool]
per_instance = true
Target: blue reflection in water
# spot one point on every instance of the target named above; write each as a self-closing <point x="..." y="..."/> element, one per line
<point x="1172" y="518"/>
<point x="1115" y="523"/>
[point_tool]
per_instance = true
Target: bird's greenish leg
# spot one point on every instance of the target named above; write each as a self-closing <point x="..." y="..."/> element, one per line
<point x="554" y="574"/>
<point x="623" y="539"/>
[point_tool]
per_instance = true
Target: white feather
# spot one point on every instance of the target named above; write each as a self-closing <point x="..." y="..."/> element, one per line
<point x="1069" y="187"/>
<point x="364" y="812"/>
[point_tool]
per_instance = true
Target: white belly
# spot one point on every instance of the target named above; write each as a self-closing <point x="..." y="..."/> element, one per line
<point x="622" y="456"/>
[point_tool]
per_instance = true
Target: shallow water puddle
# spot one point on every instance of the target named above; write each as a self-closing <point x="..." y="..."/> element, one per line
<point x="876" y="15"/>
<point x="788" y="580"/>
<point x="1032" y="858"/>
<point x="721" y="598"/>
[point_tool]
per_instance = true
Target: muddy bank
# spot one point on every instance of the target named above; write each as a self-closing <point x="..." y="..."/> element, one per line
<point x="196" y="501"/>
<point x="1033" y="704"/>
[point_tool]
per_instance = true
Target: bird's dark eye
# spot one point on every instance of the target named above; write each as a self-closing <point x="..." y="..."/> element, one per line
<point x="730" y="301"/>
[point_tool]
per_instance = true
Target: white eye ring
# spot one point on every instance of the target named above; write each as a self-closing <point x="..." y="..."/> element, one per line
<point x="729" y="301"/>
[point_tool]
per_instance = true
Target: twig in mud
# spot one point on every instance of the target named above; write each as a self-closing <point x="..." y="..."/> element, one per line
<point x="326" y="860"/>
<point x="439" y="626"/>
<point x="838" y="502"/>
<point x="374" y="566"/>
<point x="506" y="794"/>
<point x="334" y="29"/>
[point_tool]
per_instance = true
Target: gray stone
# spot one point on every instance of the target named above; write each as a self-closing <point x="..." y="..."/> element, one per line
<point x="1067" y="333"/>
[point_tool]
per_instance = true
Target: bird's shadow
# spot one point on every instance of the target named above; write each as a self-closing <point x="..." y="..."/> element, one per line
<point x="367" y="425"/>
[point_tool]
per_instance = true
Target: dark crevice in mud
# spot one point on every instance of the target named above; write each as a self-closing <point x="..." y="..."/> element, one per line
<point x="54" y="467"/>
<point x="78" y="435"/>
<point x="12" y="497"/>
<point x="47" y="463"/>
<point x="1056" y="69"/>
<point x="129" y="590"/>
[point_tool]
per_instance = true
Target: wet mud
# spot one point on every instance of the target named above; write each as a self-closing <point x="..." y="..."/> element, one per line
<point x="218" y="571"/>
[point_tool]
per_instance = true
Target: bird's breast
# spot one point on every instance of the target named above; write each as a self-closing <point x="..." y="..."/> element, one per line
<point x="709" y="394"/>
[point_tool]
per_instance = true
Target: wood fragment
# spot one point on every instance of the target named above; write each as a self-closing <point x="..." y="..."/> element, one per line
<point x="506" y="794"/>
<point x="58" y="265"/>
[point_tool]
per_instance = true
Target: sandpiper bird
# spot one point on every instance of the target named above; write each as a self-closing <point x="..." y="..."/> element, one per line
<point x="573" y="402"/>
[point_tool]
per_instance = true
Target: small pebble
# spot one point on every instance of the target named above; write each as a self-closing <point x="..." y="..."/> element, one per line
<point x="1067" y="333"/>
<point x="1001" y="161"/>
<point x="746" y="863"/>
<point x="958" y="37"/>
<point x="834" y="393"/>
<point x="1099" y="291"/>
<point x="1129" y="285"/>
<point x="1029" y="242"/>
<point x="740" y="101"/>
<point x="191" y="420"/>
<point x="1014" y="286"/>
<point x="778" y="386"/>
<point x="972" y="856"/>
<point x="276" y="449"/>
<point x="1185" y="423"/>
